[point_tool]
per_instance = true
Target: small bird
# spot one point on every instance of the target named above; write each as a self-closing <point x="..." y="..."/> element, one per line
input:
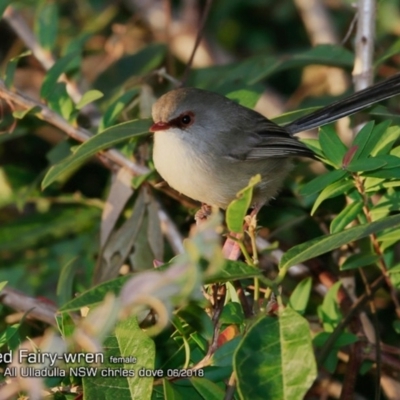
<point x="208" y="147"/>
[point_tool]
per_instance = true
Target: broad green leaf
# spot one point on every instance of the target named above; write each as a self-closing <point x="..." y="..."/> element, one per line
<point x="46" y="23"/>
<point x="129" y="341"/>
<point x="390" y="201"/>
<point x="208" y="389"/>
<point x="359" y="261"/>
<point x="321" y="182"/>
<point x="368" y="137"/>
<point x="300" y="296"/>
<point x="51" y="78"/>
<point x="391" y="160"/>
<point x="116" y="107"/>
<point x="275" y="359"/>
<point x="237" y="209"/>
<point x="391" y="173"/>
<point x="387" y="139"/>
<point x="170" y="393"/>
<point x="244" y="97"/>
<point x="223" y="356"/>
<point x="345" y="217"/>
<point x="344" y="339"/>
<point x="333" y="190"/>
<point x="89" y="97"/>
<point x="95" y="295"/>
<point x="331" y="145"/>
<point x="234" y="270"/>
<point x="60" y="102"/>
<point x="232" y="314"/>
<point x="329" y="311"/>
<point x="316" y="247"/>
<point x="12" y="66"/>
<point x="365" y="164"/>
<point x="101" y="141"/>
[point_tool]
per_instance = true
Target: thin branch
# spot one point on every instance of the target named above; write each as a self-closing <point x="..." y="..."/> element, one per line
<point x="197" y="41"/>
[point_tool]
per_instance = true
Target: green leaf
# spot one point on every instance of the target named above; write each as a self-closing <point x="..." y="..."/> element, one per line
<point x="129" y="341"/>
<point x="64" y="285"/>
<point x="3" y="284"/>
<point x="89" y="97"/>
<point x="244" y="97"/>
<point x="368" y="137"/>
<point x="300" y="296"/>
<point x="223" y="356"/>
<point x="116" y="107"/>
<point x="207" y="389"/>
<point x="20" y="114"/>
<point x="391" y="173"/>
<point x="331" y="145"/>
<point x="237" y="209"/>
<point x="391" y="160"/>
<point x="95" y="295"/>
<point x="333" y="190"/>
<point x="314" y="145"/>
<point x="386" y="141"/>
<point x="321" y="182"/>
<point x="233" y="270"/>
<point x="46" y="24"/>
<point x="232" y="314"/>
<point x="329" y="311"/>
<point x="170" y="392"/>
<point x="101" y="141"/>
<point x="316" y="247"/>
<point x="12" y="66"/>
<point x="346" y="216"/>
<point x="51" y="78"/>
<point x="365" y="164"/>
<point x="60" y="102"/>
<point x="275" y="359"/>
<point x="359" y="261"/>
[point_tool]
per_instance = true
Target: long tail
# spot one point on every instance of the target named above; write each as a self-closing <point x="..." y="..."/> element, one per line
<point x="350" y="105"/>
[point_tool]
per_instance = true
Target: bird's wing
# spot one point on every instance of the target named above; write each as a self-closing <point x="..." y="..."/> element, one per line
<point x="271" y="140"/>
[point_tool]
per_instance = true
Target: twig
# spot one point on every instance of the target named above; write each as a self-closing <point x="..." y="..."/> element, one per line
<point x="206" y="11"/>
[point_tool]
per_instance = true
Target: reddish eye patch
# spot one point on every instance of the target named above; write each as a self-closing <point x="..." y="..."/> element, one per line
<point x="183" y="121"/>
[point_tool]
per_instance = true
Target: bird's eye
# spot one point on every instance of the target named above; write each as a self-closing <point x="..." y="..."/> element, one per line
<point x="186" y="119"/>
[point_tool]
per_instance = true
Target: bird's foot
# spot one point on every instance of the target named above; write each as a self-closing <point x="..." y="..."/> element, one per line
<point x="203" y="213"/>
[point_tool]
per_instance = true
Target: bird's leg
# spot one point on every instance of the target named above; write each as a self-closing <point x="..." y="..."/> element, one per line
<point x="203" y="213"/>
